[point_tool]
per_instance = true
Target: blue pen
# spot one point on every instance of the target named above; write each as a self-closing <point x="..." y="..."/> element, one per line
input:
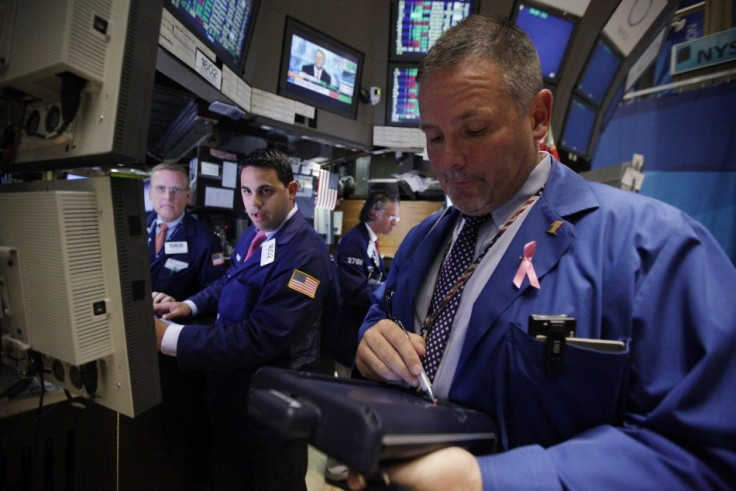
<point x="424" y="382"/>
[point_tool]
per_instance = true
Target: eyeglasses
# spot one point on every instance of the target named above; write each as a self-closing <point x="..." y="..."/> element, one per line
<point x="390" y="217"/>
<point x="173" y="190"/>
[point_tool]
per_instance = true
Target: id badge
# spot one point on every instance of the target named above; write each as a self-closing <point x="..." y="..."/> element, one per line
<point x="268" y="252"/>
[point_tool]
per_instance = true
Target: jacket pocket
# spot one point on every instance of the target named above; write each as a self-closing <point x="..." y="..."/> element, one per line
<point x="237" y="300"/>
<point x="546" y="408"/>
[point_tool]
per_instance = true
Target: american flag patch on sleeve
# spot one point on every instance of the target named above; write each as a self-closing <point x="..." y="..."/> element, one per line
<point x="218" y="259"/>
<point x="303" y="283"/>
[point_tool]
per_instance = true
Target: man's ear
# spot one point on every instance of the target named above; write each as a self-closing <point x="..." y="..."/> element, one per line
<point x="540" y="112"/>
<point x="292" y="187"/>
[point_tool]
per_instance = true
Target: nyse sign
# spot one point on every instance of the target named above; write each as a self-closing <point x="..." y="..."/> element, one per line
<point x="703" y="52"/>
<point x="208" y="70"/>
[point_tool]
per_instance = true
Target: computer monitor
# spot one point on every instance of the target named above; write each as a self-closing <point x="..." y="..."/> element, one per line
<point x="336" y="87"/>
<point x="579" y="125"/>
<point x="224" y="26"/>
<point x="85" y="71"/>
<point x="599" y="72"/>
<point x="550" y="30"/>
<point x="77" y="289"/>
<point x="402" y="107"/>
<point x="416" y="24"/>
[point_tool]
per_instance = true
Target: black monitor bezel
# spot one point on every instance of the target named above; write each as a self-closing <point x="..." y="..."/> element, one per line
<point x="393" y="56"/>
<point x="237" y="65"/>
<point x="575" y="99"/>
<point x="390" y="94"/>
<point x="287" y="89"/>
<point x="602" y="40"/>
<point x="560" y="14"/>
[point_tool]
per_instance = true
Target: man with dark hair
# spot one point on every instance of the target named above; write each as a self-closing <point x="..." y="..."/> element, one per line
<point x="269" y="307"/>
<point x="360" y="271"/>
<point x="646" y="401"/>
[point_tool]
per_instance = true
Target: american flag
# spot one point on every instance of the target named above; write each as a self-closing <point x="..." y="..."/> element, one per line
<point x="303" y="283"/>
<point x="327" y="190"/>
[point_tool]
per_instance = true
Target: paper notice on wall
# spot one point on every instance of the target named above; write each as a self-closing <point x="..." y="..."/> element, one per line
<point x="229" y="174"/>
<point x="218" y="197"/>
<point x="210" y="169"/>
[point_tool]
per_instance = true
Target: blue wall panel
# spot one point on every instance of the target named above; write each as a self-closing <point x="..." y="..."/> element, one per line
<point x="689" y="145"/>
<point x="690" y="131"/>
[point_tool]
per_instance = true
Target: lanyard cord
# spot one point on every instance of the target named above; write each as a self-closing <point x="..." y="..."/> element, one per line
<point x="465" y="276"/>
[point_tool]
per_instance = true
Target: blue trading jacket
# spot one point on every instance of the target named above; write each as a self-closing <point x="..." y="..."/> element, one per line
<point x="658" y="415"/>
<point x="266" y="315"/>
<point x="200" y="267"/>
<point x="359" y="275"/>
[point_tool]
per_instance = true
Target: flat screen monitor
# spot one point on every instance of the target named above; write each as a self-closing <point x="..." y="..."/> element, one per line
<point x="579" y="127"/>
<point x="76" y="289"/>
<point x="550" y="31"/>
<point x="416" y="25"/>
<point x="402" y="108"/>
<point x="225" y="26"/>
<point x="599" y="72"/>
<point x="319" y="70"/>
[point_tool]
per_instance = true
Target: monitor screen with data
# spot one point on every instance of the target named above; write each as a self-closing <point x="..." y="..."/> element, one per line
<point x="224" y="26"/>
<point x="402" y="102"/>
<point x="416" y="24"/>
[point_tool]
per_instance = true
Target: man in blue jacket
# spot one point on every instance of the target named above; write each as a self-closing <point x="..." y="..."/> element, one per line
<point x="656" y="412"/>
<point x="189" y="256"/>
<point x="269" y="306"/>
<point x="360" y="270"/>
<point x="185" y="256"/>
<point x="316" y="69"/>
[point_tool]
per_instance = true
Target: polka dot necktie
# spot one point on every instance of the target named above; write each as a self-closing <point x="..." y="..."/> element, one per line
<point x="460" y="257"/>
<point x="255" y="244"/>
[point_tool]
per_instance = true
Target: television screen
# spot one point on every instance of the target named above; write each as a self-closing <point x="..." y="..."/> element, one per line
<point x="224" y="26"/>
<point x="599" y="72"/>
<point x="578" y="127"/>
<point x="416" y="25"/>
<point x="319" y="70"/>
<point x="550" y="31"/>
<point x="402" y="108"/>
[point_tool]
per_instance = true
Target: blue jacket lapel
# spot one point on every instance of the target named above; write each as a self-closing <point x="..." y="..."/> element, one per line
<point x="421" y="259"/>
<point x="500" y="292"/>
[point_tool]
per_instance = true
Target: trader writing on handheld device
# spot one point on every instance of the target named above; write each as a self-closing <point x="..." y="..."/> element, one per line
<point x="526" y="236"/>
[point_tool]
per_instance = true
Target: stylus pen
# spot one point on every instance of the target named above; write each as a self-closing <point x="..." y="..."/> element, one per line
<point x="424" y="382"/>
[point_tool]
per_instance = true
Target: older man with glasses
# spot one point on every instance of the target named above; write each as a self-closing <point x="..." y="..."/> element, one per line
<point x="185" y="254"/>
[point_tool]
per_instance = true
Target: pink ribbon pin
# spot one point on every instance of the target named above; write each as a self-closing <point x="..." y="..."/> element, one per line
<point x="526" y="268"/>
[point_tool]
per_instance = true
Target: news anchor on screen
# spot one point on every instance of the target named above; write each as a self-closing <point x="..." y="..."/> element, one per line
<point x="316" y="69"/>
